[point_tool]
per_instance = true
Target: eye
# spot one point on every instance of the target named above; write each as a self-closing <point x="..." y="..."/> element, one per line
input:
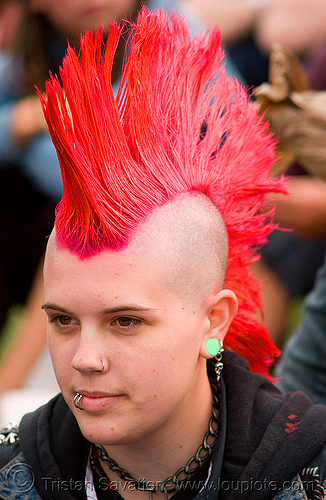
<point x="126" y="322"/>
<point x="63" y="320"/>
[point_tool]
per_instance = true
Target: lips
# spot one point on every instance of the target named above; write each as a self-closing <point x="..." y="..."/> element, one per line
<point x="98" y="401"/>
<point x="95" y="394"/>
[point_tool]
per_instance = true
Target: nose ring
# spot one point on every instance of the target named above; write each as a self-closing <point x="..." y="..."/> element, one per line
<point x="102" y="366"/>
<point x="77" y="400"/>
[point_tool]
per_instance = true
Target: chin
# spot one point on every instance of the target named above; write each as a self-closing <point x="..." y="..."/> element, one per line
<point x="102" y="430"/>
<point x="98" y="431"/>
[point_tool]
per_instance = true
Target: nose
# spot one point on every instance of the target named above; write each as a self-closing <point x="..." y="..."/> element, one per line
<point x="89" y="356"/>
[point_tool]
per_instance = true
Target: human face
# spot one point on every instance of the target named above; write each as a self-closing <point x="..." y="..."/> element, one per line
<point x="71" y="17"/>
<point x="116" y="307"/>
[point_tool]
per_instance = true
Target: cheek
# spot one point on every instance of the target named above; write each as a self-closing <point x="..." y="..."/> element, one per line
<point x="61" y="355"/>
<point x="165" y="360"/>
<point x="184" y="337"/>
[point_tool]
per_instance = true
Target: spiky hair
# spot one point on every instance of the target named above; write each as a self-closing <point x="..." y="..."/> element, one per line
<point x="178" y="124"/>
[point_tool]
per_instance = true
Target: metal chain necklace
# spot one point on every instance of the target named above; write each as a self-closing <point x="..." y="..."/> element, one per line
<point x="193" y="465"/>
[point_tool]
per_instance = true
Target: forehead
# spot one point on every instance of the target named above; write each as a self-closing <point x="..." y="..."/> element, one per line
<point x="106" y="276"/>
<point x="107" y="263"/>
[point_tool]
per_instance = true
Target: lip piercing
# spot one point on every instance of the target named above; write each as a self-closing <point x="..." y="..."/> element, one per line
<point x="77" y="400"/>
<point x="102" y="366"/>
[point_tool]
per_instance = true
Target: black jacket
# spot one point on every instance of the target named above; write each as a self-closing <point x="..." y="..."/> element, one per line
<point x="270" y="445"/>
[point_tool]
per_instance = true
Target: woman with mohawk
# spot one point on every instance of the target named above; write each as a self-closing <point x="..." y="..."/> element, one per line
<point x="146" y="283"/>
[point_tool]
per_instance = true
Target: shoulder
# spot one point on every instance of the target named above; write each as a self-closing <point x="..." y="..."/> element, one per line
<point x="16" y="477"/>
<point x="309" y="483"/>
<point x="9" y="444"/>
<point x="314" y="475"/>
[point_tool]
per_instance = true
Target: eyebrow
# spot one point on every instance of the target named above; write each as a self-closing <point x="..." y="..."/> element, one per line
<point x="57" y="308"/>
<point x="109" y="310"/>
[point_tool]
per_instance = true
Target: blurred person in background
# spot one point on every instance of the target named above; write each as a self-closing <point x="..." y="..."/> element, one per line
<point x="291" y="259"/>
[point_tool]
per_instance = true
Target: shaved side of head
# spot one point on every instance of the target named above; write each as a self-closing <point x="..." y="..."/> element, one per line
<point x="188" y="239"/>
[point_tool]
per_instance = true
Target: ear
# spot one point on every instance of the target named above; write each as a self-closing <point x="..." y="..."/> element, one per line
<point x="221" y="309"/>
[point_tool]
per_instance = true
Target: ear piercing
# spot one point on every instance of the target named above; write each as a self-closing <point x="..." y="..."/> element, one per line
<point x="214" y="346"/>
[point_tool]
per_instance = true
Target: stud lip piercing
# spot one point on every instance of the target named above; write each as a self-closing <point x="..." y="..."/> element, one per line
<point x="102" y="366"/>
<point x="77" y="400"/>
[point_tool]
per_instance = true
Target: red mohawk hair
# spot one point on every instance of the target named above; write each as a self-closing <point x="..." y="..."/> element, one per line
<point x="178" y="124"/>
